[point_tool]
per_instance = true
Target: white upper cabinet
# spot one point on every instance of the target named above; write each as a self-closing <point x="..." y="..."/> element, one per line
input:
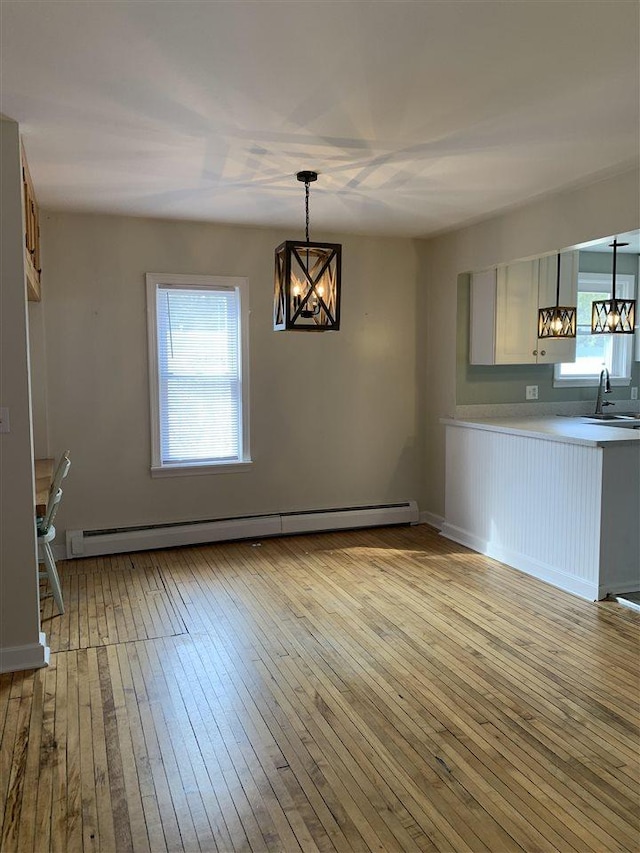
<point x="504" y="311"/>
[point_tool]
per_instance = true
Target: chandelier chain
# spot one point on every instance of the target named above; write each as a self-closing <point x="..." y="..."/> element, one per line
<point x="306" y="205"/>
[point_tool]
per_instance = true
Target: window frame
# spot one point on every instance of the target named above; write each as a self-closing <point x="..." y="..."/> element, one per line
<point x="622" y="357"/>
<point x="240" y="285"/>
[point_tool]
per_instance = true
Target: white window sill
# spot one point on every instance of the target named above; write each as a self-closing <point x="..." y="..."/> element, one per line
<point x="192" y="470"/>
<point x="589" y="381"/>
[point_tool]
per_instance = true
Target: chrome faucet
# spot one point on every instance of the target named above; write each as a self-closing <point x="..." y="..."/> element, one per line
<point x="603" y="389"/>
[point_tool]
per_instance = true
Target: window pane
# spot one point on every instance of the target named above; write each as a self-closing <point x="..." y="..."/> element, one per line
<point x="198" y="373"/>
<point x="593" y="352"/>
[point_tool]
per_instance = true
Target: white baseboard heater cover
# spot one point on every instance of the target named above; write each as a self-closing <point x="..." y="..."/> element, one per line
<point x="93" y="543"/>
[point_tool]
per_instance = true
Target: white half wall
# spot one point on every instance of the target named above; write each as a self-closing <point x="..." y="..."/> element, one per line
<point x="565" y="513"/>
<point x="531" y="503"/>
<point x="333" y="416"/>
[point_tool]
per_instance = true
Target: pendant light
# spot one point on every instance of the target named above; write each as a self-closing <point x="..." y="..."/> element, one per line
<point x="613" y="316"/>
<point x="307" y="280"/>
<point x="559" y="321"/>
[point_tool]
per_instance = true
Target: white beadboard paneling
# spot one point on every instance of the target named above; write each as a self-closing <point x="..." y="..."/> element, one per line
<point x="538" y="505"/>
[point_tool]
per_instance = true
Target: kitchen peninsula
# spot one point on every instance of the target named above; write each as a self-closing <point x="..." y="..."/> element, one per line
<point x="557" y="498"/>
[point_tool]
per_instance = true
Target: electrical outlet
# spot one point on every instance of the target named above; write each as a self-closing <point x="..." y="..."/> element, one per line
<point x="531" y="392"/>
<point x="5" y="426"/>
<point x="634" y="392"/>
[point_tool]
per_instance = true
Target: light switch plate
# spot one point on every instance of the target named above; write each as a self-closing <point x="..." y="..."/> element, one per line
<point x="634" y="392"/>
<point x="5" y="425"/>
<point x="531" y="392"/>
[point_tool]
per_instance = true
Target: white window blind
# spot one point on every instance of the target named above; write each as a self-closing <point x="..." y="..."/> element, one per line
<point x="199" y="374"/>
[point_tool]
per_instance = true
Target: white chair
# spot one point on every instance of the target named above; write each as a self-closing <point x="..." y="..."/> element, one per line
<point x="47" y="532"/>
<point x="61" y="472"/>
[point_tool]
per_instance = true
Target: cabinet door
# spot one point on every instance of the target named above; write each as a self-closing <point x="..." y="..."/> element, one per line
<point x="517" y="313"/>
<point x="482" y="319"/>
<point x="554" y="350"/>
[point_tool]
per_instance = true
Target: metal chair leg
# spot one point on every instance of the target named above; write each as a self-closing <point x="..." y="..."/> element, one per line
<point x="52" y="572"/>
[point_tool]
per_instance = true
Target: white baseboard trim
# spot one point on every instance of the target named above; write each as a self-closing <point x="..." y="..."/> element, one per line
<point x="457" y="534"/>
<point x="432" y="520"/>
<point x="631" y="585"/>
<point x="32" y="656"/>
<point x="542" y="571"/>
<point x="59" y="551"/>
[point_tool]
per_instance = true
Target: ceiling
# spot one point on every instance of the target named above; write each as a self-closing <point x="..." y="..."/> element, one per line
<point x="419" y="116"/>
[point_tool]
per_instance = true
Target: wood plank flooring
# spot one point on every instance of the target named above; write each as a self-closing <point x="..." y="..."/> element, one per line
<point x="381" y="690"/>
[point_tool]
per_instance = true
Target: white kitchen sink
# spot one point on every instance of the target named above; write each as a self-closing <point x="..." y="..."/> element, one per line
<point x="620" y="419"/>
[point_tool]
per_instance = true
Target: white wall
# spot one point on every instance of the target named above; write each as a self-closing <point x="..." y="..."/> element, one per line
<point x="333" y="415"/>
<point x="336" y="419"/>
<point x="550" y="224"/>
<point x="20" y="645"/>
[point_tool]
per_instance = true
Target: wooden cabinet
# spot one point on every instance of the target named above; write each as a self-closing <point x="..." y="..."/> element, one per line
<point x="32" y="235"/>
<point x="504" y="311"/>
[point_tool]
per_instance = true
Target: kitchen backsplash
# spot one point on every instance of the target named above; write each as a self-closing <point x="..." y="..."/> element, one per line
<point x="534" y="409"/>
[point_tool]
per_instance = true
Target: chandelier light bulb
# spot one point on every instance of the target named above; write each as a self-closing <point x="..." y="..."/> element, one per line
<point x="556" y="325"/>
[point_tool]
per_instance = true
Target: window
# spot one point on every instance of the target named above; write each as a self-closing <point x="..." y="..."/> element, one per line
<point x="198" y="353"/>
<point x="593" y="352"/>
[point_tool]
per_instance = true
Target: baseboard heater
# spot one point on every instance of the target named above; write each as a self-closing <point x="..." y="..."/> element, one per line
<point x="93" y="543"/>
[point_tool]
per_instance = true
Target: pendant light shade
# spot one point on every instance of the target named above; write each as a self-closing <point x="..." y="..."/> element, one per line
<point x="559" y="321"/>
<point x="613" y="316"/>
<point x="307" y="280"/>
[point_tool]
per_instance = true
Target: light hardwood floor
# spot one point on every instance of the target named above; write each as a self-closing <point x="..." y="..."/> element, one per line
<point x="380" y="690"/>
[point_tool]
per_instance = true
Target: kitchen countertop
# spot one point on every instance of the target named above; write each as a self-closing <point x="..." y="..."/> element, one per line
<point x="570" y="430"/>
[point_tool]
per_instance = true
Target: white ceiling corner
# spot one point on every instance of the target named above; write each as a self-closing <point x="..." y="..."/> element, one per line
<point x="419" y="116"/>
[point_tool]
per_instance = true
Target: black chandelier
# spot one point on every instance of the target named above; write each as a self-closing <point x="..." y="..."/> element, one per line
<point x="613" y="316"/>
<point x="307" y="280"/>
<point x="559" y="321"/>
